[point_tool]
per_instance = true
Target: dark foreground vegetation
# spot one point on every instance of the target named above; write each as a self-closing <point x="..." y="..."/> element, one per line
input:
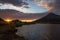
<point x="8" y="31"/>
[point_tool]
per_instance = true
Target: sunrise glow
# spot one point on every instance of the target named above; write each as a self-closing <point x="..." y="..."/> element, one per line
<point x="27" y="20"/>
<point x="8" y="20"/>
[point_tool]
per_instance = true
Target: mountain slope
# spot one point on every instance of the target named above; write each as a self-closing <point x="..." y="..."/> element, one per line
<point x="50" y="18"/>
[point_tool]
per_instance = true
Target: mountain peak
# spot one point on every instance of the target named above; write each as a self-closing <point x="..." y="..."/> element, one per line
<point x="50" y="18"/>
<point x="51" y="14"/>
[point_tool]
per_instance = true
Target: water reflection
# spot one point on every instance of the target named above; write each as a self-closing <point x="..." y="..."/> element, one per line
<point x="34" y="32"/>
<point x="40" y="31"/>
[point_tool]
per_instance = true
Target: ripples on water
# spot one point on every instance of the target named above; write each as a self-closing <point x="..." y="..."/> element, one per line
<point x="34" y="32"/>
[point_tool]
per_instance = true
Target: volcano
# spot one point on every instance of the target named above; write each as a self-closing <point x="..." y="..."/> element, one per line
<point x="51" y="18"/>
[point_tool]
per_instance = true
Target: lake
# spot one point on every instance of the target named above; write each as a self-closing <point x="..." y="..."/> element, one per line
<point x="40" y="31"/>
<point x="34" y="32"/>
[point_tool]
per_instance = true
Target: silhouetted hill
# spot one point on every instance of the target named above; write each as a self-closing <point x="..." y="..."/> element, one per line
<point x="2" y="22"/>
<point x="51" y="18"/>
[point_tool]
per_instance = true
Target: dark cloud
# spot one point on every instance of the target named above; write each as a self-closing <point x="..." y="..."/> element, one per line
<point x="57" y="4"/>
<point x="14" y="2"/>
<point x="56" y="7"/>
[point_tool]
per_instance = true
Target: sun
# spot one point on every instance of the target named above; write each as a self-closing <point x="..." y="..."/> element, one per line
<point x="8" y="20"/>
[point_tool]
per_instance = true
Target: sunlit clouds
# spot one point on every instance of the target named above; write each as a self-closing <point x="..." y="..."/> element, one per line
<point x="45" y="3"/>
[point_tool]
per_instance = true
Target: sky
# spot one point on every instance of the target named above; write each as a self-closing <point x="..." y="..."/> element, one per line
<point x="33" y="7"/>
<point x="27" y="8"/>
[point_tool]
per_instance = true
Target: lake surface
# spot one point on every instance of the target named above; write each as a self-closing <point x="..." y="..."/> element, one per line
<point x="34" y="32"/>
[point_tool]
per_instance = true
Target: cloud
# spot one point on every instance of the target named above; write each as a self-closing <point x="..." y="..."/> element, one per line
<point x="57" y="4"/>
<point x="14" y="2"/>
<point x="45" y="3"/>
<point x="10" y="6"/>
<point x="56" y="8"/>
<point x="51" y="4"/>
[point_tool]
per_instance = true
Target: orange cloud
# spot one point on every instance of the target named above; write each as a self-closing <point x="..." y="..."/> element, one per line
<point x="45" y="3"/>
